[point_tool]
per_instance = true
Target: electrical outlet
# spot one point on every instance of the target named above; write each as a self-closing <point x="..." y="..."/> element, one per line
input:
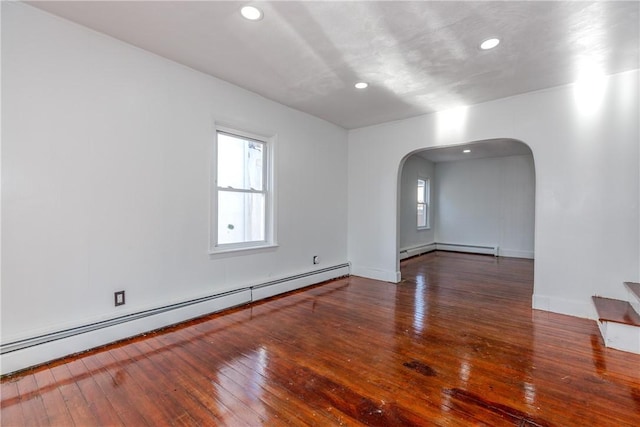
<point x="316" y="259"/>
<point x="119" y="298"/>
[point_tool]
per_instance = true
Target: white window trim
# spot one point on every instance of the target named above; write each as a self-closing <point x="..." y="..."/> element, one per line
<point x="427" y="202"/>
<point x="268" y="182"/>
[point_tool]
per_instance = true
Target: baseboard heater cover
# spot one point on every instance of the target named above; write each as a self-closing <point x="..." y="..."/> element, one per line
<point x="279" y="286"/>
<point x="300" y="276"/>
<point x="453" y="247"/>
<point x="235" y="297"/>
<point x="66" y="333"/>
<point x="477" y="249"/>
<point x="417" y="250"/>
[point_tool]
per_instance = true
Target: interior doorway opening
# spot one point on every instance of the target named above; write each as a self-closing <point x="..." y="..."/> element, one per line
<point x="476" y="197"/>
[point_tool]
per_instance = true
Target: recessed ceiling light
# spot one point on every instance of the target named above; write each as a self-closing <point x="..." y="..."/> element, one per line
<point x="489" y="44"/>
<point x="466" y="151"/>
<point x="251" y="13"/>
<point x="361" y="85"/>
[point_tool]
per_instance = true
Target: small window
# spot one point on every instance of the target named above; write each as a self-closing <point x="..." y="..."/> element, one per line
<point x="423" y="197"/>
<point x="241" y="196"/>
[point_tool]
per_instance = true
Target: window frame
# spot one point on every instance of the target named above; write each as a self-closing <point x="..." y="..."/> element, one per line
<point x="426" y="202"/>
<point x="268" y="144"/>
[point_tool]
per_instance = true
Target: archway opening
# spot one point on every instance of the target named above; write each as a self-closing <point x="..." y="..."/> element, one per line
<point x="474" y="197"/>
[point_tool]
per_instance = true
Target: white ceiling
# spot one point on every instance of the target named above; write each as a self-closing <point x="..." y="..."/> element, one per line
<point x="418" y="57"/>
<point x="479" y="149"/>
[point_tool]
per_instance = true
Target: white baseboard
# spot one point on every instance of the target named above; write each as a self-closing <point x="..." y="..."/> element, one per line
<point x="372" y="273"/>
<point x="31" y="351"/>
<point x="575" y="308"/>
<point x="512" y="253"/>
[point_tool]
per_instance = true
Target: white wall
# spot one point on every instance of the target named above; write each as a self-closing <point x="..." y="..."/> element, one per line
<point x="487" y="202"/>
<point x="587" y="186"/>
<point x="105" y="179"/>
<point x="415" y="167"/>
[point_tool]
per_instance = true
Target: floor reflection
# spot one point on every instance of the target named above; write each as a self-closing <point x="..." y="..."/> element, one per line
<point x="419" y="310"/>
<point x="245" y="375"/>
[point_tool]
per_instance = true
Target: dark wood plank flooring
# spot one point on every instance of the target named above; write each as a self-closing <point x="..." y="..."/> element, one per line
<point x="455" y="344"/>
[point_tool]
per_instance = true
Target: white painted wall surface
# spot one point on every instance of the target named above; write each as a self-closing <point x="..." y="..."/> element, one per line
<point x="105" y="179"/>
<point x="587" y="179"/>
<point x="410" y="236"/>
<point x="487" y="202"/>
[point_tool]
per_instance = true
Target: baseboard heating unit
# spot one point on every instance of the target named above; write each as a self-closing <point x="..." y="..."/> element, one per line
<point x="417" y="250"/>
<point x="451" y="247"/>
<point x="23" y="353"/>
<point x="475" y="249"/>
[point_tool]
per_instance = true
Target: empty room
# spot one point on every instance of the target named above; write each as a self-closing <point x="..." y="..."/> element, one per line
<point x="320" y="213"/>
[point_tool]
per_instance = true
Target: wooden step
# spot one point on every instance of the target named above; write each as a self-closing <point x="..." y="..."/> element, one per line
<point x="613" y="310"/>
<point x="634" y="295"/>
<point x="634" y="288"/>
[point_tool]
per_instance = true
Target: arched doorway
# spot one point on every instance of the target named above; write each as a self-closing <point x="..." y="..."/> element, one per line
<point x="472" y="197"/>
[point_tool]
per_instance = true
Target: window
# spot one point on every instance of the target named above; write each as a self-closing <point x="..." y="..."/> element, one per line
<point x="423" y="202"/>
<point x="242" y="197"/>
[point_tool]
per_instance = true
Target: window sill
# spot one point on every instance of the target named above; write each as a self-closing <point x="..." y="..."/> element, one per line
<point x="243" y="250"/>
<point x="424" y="228"/>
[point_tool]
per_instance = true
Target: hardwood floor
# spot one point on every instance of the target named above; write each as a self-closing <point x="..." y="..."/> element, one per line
<point x="455" y="344"/>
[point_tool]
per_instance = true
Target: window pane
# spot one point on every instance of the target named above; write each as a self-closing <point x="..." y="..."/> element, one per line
<point x="427" y="191"/>
<point x="420" y="191"/>
<point x="241" y="217"/>
<point x="422" y="215"/>
<point x="240" y="162"/>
